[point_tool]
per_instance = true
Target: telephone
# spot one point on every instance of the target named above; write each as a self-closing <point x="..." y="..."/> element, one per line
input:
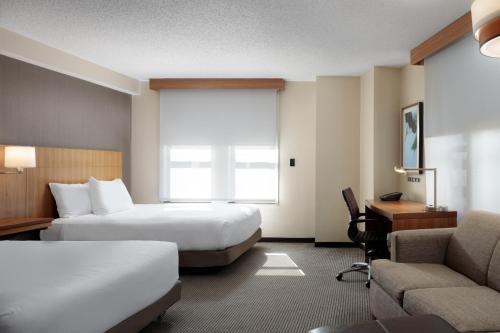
<point x="394" y="196"/>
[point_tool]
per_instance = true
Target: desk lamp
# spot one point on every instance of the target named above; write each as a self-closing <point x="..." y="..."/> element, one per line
<point x="404" y="171"/>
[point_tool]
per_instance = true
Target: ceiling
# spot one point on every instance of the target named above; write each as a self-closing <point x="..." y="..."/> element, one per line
<point x="292" y="39"/>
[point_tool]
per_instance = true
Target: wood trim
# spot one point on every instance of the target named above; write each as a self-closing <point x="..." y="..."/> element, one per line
<point x="447" y="36"/>
<point x="274" y="83"/>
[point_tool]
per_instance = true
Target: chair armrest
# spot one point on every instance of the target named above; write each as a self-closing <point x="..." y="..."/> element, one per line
<point x="357" y="221"/>
<point x="420" y="246"/>
<point x="375" y="221"/>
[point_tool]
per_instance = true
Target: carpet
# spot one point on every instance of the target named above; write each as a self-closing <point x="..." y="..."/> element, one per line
<point x="274" y="287"/>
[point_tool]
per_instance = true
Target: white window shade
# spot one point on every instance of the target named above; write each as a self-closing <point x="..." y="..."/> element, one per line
<point x="218" y="145"/>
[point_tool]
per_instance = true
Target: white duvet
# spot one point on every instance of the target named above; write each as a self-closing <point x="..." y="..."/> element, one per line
<point x="194" y="227"/>
<point x="61" y="287"/>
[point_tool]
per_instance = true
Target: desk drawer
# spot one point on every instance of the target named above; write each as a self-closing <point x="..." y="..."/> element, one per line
<point x="427" y="223"/>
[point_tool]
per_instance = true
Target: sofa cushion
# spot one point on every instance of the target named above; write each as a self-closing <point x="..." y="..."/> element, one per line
<point x="494" y="270"/>
<point x="397" y="278"/>
<point x="471" y="246"/>
<point x="468" y="309"/>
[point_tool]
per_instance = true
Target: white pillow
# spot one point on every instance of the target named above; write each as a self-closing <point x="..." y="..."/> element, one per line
<point x="109" y="196"/>
<point x="71" y="199"/>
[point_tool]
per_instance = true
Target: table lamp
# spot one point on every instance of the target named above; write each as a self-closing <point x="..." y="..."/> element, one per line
<point x="19" y="158"/>
<point x="404" y="171"/>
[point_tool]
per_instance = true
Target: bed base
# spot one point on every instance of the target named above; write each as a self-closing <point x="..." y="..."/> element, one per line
<point x="201" y="259"/>
<point x="141" y="319"/>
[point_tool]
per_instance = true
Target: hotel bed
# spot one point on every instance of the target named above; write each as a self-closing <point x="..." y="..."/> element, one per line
<point x="207" y="235"/>
<point x="85" y="286"/>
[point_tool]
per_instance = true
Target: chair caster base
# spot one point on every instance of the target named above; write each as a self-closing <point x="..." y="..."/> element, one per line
<point x="339" y="277"/>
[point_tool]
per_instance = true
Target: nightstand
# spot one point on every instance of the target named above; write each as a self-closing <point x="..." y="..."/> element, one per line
<point x="12" y="226"/>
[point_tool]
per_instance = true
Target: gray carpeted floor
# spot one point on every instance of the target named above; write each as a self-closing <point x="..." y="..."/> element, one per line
<point x="239" y="298"/>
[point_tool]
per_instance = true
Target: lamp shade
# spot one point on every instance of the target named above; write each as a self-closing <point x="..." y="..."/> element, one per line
<point x="20" y="157"/>
<point x="486" y="26"/>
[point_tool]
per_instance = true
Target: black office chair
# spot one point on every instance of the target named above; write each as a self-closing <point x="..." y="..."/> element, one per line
<point x="375" y="241"/>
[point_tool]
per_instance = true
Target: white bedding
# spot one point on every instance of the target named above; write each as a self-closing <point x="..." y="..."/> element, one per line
<point x="194" y="227"/>
<point x="52" y="287"/>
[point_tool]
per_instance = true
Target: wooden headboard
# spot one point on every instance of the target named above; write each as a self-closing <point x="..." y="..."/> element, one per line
<point x="28" y="194"/>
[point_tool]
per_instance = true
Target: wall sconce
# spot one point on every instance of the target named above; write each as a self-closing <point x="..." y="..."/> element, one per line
<point x="19" y="158"/>
<point x="404" y="171"/>
<point x="486" y="26"/>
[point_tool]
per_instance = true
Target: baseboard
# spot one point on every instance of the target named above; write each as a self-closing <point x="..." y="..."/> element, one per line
<point x="286" y="240"/>
<point x="336" y="244"/>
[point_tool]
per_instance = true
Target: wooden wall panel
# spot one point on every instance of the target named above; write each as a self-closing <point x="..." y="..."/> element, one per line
<point x="29" y="194"/>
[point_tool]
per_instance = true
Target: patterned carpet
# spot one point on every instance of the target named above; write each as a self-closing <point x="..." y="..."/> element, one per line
<point x="263" y="292"/>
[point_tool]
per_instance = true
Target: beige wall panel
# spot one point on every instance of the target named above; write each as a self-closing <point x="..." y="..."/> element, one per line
<point x="367" y="137"/>
<point x="413" y="91"/>
<point x="337" y="153"/>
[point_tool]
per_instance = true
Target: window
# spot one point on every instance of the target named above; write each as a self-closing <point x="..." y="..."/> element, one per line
<point x="218" y="145"/>
<point x="243" y="174"/>
<point x="255" y="173"/>
<point x="190" y="174"/>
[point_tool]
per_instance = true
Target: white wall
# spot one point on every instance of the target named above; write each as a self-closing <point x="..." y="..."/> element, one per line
<point x="386" y="129"/>
<point x="379" y="132"/>
<point x="22" y="48"/>
<point x="462" y="126"/>
<point x="145" y="145"/>
<point x="337" y="153"/>
<point x="367" y="137"/>
<point x="294" y="215"/>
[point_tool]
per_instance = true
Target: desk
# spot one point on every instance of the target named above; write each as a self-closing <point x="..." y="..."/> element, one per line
<point x="407" y="215"/>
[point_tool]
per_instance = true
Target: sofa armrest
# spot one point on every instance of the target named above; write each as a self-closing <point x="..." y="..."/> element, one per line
<point x="420" y="246"/>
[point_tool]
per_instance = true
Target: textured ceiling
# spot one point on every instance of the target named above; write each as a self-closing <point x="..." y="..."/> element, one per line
<point x="293" y="39"/>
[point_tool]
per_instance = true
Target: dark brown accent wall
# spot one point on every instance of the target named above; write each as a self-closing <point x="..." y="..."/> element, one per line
<point x="39" y="107"/>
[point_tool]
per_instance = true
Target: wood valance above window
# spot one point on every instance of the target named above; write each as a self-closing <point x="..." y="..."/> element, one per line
<point x="266" y="83"/>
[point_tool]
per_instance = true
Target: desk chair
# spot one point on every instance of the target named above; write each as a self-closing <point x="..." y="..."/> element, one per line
<point x="375" y="241"/>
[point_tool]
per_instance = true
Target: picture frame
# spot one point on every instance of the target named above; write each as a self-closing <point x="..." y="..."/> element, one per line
<point x="412" y="136"/>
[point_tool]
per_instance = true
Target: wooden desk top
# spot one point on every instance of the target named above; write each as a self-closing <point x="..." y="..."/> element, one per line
<point x="405" y="209"/>
<point x="11" y="225"/>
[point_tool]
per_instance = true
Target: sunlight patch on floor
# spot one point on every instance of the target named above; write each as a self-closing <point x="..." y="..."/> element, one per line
<point x="279" y="264"/>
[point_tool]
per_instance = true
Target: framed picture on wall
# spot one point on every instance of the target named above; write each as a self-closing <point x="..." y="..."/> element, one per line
<point x="412" y="135"/>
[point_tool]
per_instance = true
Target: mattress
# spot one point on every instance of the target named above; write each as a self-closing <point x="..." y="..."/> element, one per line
<point x="194" y="227"/>
<point x="82" y="287"/>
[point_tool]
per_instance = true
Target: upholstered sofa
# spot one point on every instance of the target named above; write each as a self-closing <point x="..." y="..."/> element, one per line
<point x="452" y="273"/>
